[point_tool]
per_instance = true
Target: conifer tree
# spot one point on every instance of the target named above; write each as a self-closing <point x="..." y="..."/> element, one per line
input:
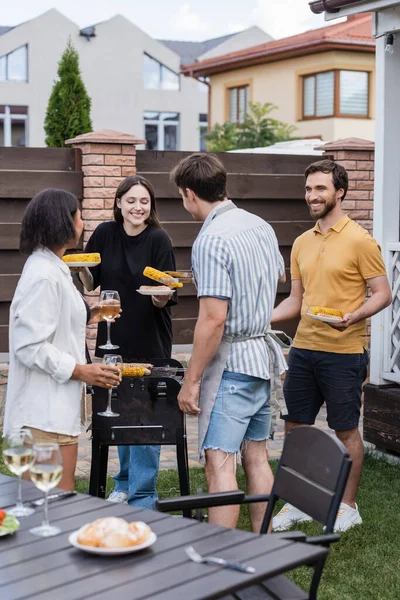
<point x="68" y="110"/>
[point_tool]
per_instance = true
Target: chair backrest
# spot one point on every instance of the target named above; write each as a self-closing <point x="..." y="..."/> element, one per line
<point x="312" y="475"/>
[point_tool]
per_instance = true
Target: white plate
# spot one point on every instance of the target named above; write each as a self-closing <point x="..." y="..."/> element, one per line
<point x="156" y="292"/>
<point x="325" y="318"/>
<point x="75" y="265"/>
<point x="110" y="551"/>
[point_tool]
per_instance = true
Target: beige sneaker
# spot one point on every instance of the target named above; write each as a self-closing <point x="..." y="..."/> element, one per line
<point x="346" y="518"/>
<point x="288" y="516"/>
<point x="119" y="497"/>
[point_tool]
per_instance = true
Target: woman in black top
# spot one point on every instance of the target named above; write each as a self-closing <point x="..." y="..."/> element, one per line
<point x="127" y="245"/>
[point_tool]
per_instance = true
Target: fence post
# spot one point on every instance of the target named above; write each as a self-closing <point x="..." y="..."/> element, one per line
<point x="357" y="156"/>
<point x="107" y="158"/>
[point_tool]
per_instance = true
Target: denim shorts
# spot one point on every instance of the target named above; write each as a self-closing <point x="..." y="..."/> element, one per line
<point x="241" y="412"/>
<point x="315" y="377"/>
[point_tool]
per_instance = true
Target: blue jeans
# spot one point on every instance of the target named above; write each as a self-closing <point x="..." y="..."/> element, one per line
<point x="138" y="472"/>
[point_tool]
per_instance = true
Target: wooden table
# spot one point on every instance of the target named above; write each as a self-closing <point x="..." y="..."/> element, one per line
<point x="49" y="568"/>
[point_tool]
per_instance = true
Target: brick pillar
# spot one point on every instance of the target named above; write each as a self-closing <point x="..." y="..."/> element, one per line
<point x="107" y="158"/>
<point x="357" y="156"/>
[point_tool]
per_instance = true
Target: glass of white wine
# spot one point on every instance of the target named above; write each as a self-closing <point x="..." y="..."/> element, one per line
<point x="46" y="472"/>
<point x="110" y="306"/>
<point x="18" y="454"/>
<point x="116" y="361"/>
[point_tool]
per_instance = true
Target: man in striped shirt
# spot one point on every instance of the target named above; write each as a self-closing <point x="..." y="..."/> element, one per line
<point x="236" y="265"/>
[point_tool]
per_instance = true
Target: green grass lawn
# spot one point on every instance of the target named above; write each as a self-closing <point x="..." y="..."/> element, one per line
<point x="365" y="563"/>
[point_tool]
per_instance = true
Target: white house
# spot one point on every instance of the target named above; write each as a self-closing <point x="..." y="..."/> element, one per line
<point x="133" y="79"/>
<point x="385" y="335"/>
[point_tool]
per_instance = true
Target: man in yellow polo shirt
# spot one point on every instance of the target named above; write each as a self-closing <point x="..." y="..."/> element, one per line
<point x="331" y="266"/>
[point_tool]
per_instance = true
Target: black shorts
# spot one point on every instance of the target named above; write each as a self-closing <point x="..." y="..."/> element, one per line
<point x="315" y="377"/>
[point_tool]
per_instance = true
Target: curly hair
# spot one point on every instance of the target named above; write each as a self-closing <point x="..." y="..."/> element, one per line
<point x="48" y="221"/>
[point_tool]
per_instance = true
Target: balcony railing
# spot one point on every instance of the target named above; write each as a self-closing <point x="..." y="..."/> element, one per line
<point x="391" y="365"/>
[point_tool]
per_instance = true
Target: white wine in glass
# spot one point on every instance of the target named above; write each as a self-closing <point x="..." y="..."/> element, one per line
<point x="18" y="455"/>
<point x="116" y="361"/>
<point x="46" y="472"/>
<point x="110" y="307"/>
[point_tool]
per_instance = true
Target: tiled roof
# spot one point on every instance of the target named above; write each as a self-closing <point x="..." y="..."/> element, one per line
<point x="190" y="51"/>
<point x="355" y="34"/>
<point x="4" y="29"/>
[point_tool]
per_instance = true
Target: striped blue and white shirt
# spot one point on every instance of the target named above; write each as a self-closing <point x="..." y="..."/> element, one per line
<point x="236" y="256"/>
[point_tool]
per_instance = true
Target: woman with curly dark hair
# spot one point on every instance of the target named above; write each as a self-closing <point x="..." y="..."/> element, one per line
<point x="48" y="320"/>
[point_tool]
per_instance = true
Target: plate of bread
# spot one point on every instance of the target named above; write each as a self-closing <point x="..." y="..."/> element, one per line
<point x="88" y="259"/>
<point x="327" y="315"/>
<point x="113" y="535"/>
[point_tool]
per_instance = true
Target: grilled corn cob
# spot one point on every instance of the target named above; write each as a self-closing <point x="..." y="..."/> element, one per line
<point x="88" y="257"/>
<point x="129" y="371"/>
<point x="159" y="275"/>
<point x="320" y="310"/>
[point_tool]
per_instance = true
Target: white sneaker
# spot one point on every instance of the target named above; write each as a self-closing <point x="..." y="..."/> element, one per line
<point x="346" y="518"/>
<point x="288" y="516"/>
<point x="120" y="497"/>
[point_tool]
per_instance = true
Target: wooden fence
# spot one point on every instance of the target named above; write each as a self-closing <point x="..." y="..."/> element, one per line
<point x="271" y="186"/>
<point x="23" y="173"/>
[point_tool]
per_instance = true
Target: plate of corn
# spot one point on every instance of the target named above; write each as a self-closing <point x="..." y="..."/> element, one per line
<point x="161" y="277"/>
<point x="327" y="315"/>
<point x="89" y="259"/>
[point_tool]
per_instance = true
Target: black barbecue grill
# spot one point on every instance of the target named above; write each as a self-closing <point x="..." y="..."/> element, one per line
<point x="149" y="415"/>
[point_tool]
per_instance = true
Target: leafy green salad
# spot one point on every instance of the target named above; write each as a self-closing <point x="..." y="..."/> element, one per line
<point x="8" y="523"/>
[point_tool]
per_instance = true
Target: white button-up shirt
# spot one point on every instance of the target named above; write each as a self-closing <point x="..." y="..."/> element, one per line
<point x="47" y="340"/>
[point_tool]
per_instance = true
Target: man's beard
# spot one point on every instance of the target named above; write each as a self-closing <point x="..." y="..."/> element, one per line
<point x="326" y="208"/>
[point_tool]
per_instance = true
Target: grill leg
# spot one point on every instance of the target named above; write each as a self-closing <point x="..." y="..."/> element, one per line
<point x="183" y="466"/>
<point x="98" y="469"/>
<point x="94" y="467"/>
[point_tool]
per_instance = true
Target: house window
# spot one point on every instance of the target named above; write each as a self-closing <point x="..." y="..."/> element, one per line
<point x="203" y="128"/>
<point x="13" y="125"/>
<point x="161" y="130"/>
<point x="157" y="76"/>
<point x="238" y="103"/>
<point x="336" y="94"/>
<point x="14" y="65"/>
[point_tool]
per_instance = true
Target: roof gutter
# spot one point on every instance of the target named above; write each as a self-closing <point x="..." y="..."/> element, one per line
<point x="331" y="6"/>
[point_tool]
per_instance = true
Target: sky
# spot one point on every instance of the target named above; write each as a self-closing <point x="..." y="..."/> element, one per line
<point x="177" y="19"/>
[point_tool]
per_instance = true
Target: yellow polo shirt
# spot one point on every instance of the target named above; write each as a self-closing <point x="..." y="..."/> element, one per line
<point x="333" y="269"/>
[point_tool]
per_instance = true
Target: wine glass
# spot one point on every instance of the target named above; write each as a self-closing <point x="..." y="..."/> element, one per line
<point x="18" y="454"/>
<point x="116" y="361"/>
<point x="46" y="472"/>
<point x="110" y="306"/>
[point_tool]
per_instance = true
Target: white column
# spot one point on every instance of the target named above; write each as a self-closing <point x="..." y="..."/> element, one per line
<point x="387" y="177"/>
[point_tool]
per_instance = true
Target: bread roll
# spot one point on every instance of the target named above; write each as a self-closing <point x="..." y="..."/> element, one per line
<point x="112" y="532"/>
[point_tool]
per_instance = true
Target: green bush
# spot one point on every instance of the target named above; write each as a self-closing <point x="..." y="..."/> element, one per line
<point x="68" y="111"/>
<point x="257" y="130"/>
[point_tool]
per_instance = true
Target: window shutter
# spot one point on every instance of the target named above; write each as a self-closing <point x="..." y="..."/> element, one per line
<point x="233" y="108"/>
<point x="354" y="93"/>
<point x="325" y="94"/>
<point x="309" y="96"/>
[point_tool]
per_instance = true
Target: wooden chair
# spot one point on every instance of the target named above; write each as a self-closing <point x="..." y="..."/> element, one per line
<point x="311" y="475"/>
